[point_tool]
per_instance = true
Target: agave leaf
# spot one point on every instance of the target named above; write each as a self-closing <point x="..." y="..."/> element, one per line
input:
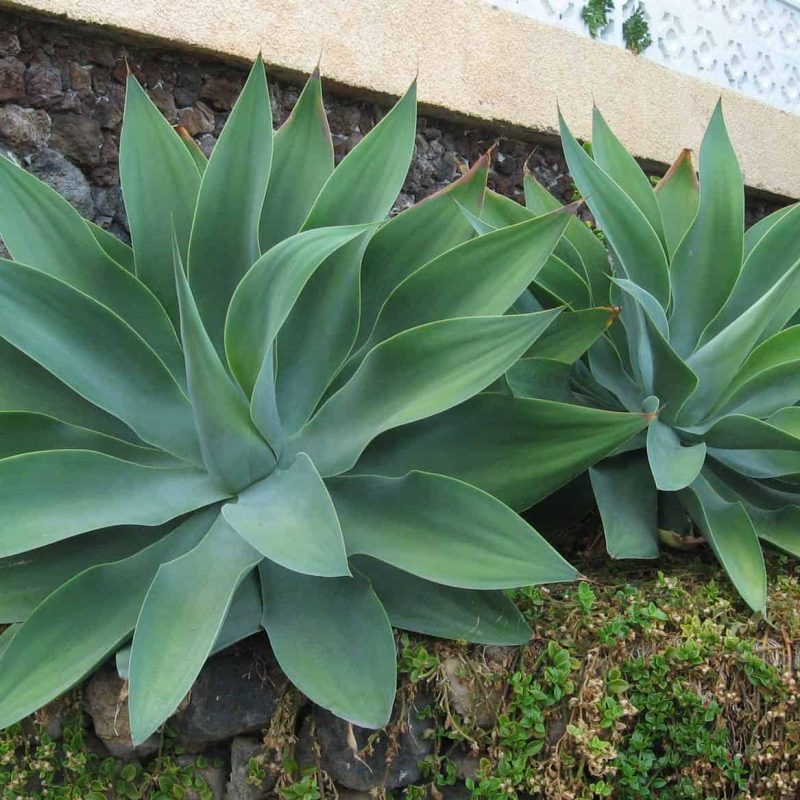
<point x="177" y="626"/>
<point x="224" y="240"/>
<point x="332" y="637"/>
<point x="290" y="518"/>
<point x="775" y="255"/>
<point x="621" y="167"/>
<point x="482" y="277"/>
<point x="572" y="334"/>
<point x="752" y="236"/>
<point x="636" y="244"/>
<point x="26" y="579"/>
<point x="25" y="386"/>
<point x="628" y="502"/>
<point x="660" y="370"/>
<point x="417" y="236"/>
<point x="243" y="620"/>
<point x="720" y="358"/>
<point x="302" y="160"/>
<point x="419" y="372"/>
<point x="519" y="450"/>
<point x="414" y="604"/>
<point x="264" y="298"/>
<point x="115" y="248"/>
<point x="759" y="463"/>
<point x="65" y="637"/>
<point x="673" y="464"/>
<point x="648" y="304"/>
<point x="729" y="530"/>
<point x="160" y="182"/>
<point x="754" y="447"/>
<point x="562" y="285"/>
<point x="589" y="248"/>
<point x="767" y="494"/>
<point x="562" y="280"/>
<point x="70" y="253"/>
<point x="764" y="393"/>
<point x="500" y="211"/>
<point x="779" y="528"/>
<point x="707" y="262"/>
<point x="544" y="378"/>
<point x="24" y="432"/>
<point x="322" y="327"/>
<point x="678" y="195"/>
<point x="94" y="352"/>
<point x="6" y="636"/>
<point x="244" y="614"/>
<point x="53" y="495"/>
<point x="232" y="448"/>
<point x="787" y="419"/>
<point x="479" y="543"/>
<point x="198" y="156"/>
<point x="607" y="369"/>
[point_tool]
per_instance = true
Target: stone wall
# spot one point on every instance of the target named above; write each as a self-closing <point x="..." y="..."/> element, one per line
<point x="61" y="103"/>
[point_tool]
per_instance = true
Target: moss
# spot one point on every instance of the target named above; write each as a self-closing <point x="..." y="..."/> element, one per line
<point x="635" y="685"/>
<point x="35" y="767"/>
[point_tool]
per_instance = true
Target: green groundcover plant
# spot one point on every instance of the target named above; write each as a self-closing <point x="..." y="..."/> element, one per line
<point x="183" y="421"/>
<point x="708" y="341"/>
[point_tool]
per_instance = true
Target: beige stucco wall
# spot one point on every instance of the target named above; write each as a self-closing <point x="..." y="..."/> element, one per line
<point x="474" y="61"/>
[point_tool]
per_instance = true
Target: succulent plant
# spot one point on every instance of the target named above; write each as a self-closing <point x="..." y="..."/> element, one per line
<point x="183" y="420"/>
<point x="708" y="342"/>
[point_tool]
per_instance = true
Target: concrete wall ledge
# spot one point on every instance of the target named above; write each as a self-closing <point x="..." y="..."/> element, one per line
<point x="474" y="62"/>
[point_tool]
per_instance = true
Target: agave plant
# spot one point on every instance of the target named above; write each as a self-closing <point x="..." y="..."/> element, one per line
<point x="708" y="343"/>
<point x="183" y="420"/>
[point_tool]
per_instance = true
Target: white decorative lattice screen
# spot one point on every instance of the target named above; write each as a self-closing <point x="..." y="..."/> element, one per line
<point x="752" y="46"/>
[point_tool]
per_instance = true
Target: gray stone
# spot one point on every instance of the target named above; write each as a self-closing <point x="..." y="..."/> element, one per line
<point x="220" y="92"/>
<point x="106" y="699"/>
<point x="12" y="79"/>
<point x="409" y="741"/>
<point x="65" y="178"/>
<point x="241" y="785"/>
<point x="42" y="84"/>
<point x="235" y="694"/>
<point x="80" y="78"/>
<point x="473" y="696"/>
<point x="78" y="137"/>
<point x="24" y="129"/>
<point x="213" y="776"/>
<point x="9" y="43"/>
<point x="197" y="119"/>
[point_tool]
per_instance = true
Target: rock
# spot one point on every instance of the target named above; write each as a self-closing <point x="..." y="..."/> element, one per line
<point x="42" y="84"/>
<point x="241" y="785"/>
<point x="473" y="697"/>
<point x="65" y="178"/>
<point x="220" y="92"/>
<point x="206" y="143"/>
<point x="465" y="762"/>
<point x="213" y="776"/>
<point x="164" y="102"/>
<point x="197" y="119"/>
<point x="12" y="79"/>
<point x="9" y="44"/>
<point x="24" y="129"/>
<point x="78" y="137"/>
<point x="107" y="703"/>
<point x="52" y="717"/>
<point x="109" y="108"/>
<point x="363" y="770"/>
<point x="80" y="78"/>
<point x="235" y="694"/>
